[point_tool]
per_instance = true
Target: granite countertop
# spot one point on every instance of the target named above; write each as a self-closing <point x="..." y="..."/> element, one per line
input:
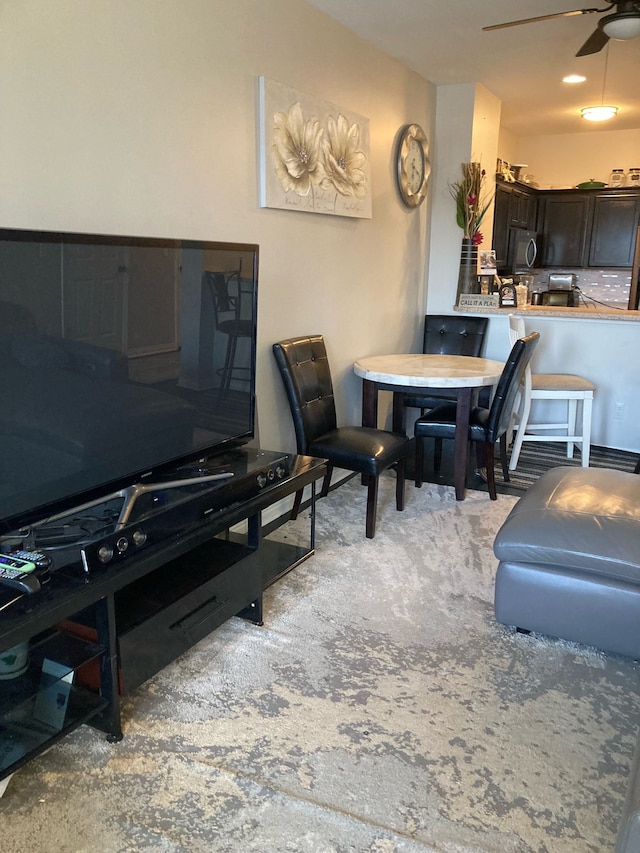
<point x="600" y="313"/>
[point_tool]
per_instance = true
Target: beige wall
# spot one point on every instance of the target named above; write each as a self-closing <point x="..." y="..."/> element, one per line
<point x="565" y="160"/>
<point x="468" y="120"/>
<point x="484" y="147"/>
<point x="452" y="146"/>
<point x="508" y="146"/>
<point x="139" y="117"/>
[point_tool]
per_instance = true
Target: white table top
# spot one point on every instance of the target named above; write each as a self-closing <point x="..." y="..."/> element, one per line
<point x="430" y="371"/>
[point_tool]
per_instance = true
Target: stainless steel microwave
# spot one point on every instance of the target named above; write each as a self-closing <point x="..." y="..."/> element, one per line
<point x="522" y="251"/>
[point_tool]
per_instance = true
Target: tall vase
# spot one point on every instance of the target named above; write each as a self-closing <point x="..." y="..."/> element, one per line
<point x="468" y="272"/>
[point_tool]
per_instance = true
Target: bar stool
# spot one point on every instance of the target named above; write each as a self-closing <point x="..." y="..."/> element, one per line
<point x="231" y="299"/>
<point x="552" y="386"/>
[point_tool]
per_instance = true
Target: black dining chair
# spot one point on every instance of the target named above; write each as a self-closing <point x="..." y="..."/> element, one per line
<point x="486" y="426"/>
<point x="305" y="372"/>
<point x="448" y="335"/>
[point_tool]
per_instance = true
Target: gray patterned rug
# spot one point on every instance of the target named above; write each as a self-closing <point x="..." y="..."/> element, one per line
<point x="380" y="708"/>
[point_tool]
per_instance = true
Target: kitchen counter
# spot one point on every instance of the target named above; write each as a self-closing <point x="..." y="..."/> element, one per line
<point x="599" y="313"/>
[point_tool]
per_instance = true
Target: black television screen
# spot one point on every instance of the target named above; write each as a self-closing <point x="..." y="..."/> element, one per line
<point x="120" y="358"/>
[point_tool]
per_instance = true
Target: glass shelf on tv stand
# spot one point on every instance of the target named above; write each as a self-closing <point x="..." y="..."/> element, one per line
<point x="47" y="699"/>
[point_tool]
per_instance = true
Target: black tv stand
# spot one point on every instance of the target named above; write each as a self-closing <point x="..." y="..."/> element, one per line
<point x="93" y="636"/>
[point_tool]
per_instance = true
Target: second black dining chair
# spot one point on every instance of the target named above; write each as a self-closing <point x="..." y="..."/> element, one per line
<point x="305" y="372"/>
<point x="447" y="335"/>
<point x="486" y="426"/>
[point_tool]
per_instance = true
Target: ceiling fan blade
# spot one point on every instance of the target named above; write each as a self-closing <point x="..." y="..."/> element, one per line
<point x="545" y="18"/>
<point x="596" y="41"/>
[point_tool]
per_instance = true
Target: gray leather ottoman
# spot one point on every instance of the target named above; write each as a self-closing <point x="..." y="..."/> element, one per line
<point x="569" y="555"/>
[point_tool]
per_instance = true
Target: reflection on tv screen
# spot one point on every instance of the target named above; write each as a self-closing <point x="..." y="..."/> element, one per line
<point x="118" y="356"/>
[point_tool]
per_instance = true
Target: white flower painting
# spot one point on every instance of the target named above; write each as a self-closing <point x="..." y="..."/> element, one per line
<point x="314" y="156"/>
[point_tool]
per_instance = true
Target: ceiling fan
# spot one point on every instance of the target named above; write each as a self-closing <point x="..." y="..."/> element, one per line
<point x="623" y="24"/>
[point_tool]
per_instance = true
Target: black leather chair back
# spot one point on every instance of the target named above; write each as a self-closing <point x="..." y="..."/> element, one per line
<point x="446" y="335"/>
<point x="509" y="385"/>
<point x="304" y="368"/>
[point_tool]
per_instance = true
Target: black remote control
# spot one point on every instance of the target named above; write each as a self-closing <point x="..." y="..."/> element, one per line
<point x="18" y="574"/>
<point x="41" y="560"/>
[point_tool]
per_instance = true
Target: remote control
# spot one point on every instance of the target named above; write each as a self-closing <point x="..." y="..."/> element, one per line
<point x="39" y="558"/>
<point x="18" y="574"/>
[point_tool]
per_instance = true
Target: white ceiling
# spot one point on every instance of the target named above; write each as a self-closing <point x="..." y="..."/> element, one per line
<point x="523" y="66"/>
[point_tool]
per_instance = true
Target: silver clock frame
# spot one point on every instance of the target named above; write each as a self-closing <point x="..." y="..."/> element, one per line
<point x="407" y="134"/>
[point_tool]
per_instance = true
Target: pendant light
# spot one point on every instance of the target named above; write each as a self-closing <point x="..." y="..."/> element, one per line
<point x="602" y="112"/>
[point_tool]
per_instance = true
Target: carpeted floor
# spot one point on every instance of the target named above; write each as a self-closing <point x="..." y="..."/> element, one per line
<point x="537" y="457"/>
<point x="380" y="708"/>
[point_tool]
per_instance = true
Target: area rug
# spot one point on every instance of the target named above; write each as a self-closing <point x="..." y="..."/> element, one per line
<point x="380" y="708"/>
<point x="537" y="457"/>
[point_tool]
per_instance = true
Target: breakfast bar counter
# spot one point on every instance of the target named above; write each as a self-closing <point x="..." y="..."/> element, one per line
<point x="600" y="344"/>
<point x="582" y="313"/>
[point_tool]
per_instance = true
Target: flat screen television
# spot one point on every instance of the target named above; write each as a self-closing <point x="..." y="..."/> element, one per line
<point x="121" y="359"/>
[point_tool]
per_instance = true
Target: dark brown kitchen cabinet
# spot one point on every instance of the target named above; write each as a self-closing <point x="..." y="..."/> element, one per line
<point x="565" y="224"/>
<point x="501" y="225"/>
<point x="514" y="208"/>
<point x="613" y="232"/>
<point x="522" y="210"/>
<point x="590" y="228"/>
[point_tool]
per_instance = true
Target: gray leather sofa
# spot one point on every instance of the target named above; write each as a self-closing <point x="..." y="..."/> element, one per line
<point x="569" y="567"/>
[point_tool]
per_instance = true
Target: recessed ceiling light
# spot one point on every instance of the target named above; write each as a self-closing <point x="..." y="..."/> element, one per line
<point x="602" y="113"/>
<point x="574" y="78"/>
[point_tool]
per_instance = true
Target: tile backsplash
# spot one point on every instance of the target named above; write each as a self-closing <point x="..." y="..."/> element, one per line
<point x="609" y="287"/>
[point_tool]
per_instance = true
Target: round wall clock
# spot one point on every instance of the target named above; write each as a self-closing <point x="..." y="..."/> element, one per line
<point x="412" y="164"/>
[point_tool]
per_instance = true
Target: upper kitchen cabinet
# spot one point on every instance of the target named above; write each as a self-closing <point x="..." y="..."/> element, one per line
<point x="522" y="208"/>
<point x="515" y="207"/>
<point x="588" y="229"/>
<point x="615" y="222"/>
<point x="565" y="221"/>
<point x="576" y="228"/>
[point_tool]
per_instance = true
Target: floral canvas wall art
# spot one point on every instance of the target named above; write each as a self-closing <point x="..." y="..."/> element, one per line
<point x="314" y="156"/>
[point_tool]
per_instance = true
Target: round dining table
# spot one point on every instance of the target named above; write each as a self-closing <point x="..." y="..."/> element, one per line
<point x="406" y="373"/>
